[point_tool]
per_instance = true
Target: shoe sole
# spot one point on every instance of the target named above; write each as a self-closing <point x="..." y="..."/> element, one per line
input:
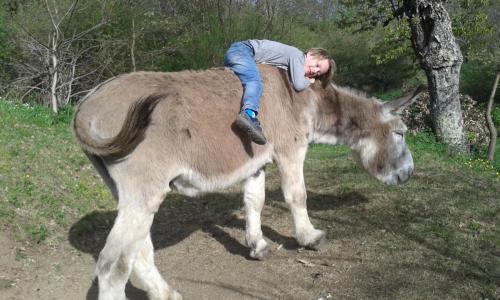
<point x="255" y="136"/>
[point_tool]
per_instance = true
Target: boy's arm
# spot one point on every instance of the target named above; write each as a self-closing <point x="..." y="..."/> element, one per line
<point x="296" y="69"/>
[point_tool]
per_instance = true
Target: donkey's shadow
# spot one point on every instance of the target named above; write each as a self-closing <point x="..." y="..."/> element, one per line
<point x="180" y="216"/>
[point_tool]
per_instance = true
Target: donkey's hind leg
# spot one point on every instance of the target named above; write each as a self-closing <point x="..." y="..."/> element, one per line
<point x="116" y="258"/>
<point x="127" y="237"/>
<point x="145" y="275"/>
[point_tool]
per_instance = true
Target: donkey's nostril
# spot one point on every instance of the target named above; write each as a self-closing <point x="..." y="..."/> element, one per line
<point x="404" y="175"/>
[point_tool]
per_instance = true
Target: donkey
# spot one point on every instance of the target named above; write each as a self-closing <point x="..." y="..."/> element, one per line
<point x="147" y="133"/>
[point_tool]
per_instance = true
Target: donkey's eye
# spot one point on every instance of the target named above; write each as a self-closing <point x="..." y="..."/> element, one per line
<point x="399" y="133"/>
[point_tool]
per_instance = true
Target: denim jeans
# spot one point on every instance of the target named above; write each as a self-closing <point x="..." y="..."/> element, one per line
<point x="239" y="58"/>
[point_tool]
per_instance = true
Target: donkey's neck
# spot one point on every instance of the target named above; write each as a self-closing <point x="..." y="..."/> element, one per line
<point x="341" y="116"/>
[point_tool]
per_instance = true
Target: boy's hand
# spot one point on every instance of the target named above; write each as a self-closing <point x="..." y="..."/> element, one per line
<point x="311" y="79"/>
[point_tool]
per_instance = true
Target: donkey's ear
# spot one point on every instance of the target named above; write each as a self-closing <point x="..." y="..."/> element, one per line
<point x="397" y="106"/>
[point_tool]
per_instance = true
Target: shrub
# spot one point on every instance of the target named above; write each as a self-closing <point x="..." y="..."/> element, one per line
<point x="495" y="114"/>
<point x="476" y="80"/>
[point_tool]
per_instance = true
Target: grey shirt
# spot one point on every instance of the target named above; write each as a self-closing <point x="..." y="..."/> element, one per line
<point x="283" y="56"/>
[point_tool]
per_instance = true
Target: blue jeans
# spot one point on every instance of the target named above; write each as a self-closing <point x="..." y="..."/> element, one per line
<point x="239" y="58"/>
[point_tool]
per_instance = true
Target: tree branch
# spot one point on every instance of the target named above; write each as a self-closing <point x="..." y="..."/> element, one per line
<point x="489" y="121"/>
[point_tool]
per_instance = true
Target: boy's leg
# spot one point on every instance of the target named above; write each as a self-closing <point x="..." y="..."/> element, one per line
<point x="240" y="59"/>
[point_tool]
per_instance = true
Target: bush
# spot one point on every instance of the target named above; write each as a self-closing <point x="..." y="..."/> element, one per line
<point x="495" y="114"/>
<point x="359" y="62"/>
<point x="476" y="80"/>
<point x="6" y="47"/>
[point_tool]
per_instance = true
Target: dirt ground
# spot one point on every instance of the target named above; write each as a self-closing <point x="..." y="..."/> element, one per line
<point x="203" y="258"/>
<point x="200" y="250"/>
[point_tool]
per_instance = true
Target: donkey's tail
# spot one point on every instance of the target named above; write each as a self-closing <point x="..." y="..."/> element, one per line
<point x="130" y="135"/>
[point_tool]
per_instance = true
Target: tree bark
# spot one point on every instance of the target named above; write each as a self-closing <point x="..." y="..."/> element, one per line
<point x="440" y="57"/>
<point x="489" y="121"/>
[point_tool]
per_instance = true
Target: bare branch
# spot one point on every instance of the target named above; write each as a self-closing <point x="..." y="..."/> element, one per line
<point x="77" y="37"/>
<point x="77" y="78"/>
<point x="52" y="19"/>
<point x="81" y="92"/>
<point x="489" y="121"/>
<point x="31" y="88"/>
<point x="33" y="38"/>
<point x="70" y="84"/>
<point x="132" y="47"/>
<point x="70" y="12"/>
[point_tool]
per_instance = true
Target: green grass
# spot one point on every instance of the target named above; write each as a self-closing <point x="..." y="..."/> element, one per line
<point x="45" y="180"/>
<point x="447" y="216"/>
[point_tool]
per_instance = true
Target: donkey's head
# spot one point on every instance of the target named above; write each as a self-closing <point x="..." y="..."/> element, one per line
<point x="375" y="133"/>
<point x="380" y="147"/>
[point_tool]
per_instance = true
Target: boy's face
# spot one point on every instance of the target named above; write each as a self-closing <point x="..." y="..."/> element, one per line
<point x="314" y="66"/>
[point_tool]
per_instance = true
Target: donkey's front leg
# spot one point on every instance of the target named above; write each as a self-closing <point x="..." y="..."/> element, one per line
<point x="254" y="196"/>
<point x="294" y="191"/>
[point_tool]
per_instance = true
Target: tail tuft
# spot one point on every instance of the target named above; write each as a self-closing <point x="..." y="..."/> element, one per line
<point x="130" y="135"/>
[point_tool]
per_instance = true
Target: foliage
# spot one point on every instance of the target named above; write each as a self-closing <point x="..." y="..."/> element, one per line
<point x="206" y="46"/>
<point x="475" y="29"/>
<point x="361" y="62"/>
<point x="54" y="55"/>
<point x="6" y="47"/>
<point x="365" y="15"/>
<point x="495" y="114"/>
<point x="473" y="25"/>
<point x="176" y="35"/>
<point x="395" y="44"/>
<point x="476" y="80"/>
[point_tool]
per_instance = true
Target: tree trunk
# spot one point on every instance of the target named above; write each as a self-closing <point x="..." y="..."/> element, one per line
<point x="489" y="121"/>
<point x="440" y="57"/>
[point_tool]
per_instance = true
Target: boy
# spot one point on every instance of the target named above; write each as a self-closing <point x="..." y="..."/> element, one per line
<point x="242" y="58"/>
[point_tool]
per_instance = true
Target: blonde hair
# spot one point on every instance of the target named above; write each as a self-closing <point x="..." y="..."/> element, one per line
<point x="323" y="54"/>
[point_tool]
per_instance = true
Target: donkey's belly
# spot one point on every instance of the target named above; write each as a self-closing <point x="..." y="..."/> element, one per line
<point x="191" y="183"/>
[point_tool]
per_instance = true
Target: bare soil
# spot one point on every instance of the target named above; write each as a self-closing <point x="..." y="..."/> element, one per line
<point x="202" y="256"/>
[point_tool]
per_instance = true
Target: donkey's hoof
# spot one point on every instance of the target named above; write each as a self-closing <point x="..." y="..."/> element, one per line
<point x="174" y="295"/>
<point x="261" y="254"/>
<point x="261" y="251"/>
<point x="317" y="242"/>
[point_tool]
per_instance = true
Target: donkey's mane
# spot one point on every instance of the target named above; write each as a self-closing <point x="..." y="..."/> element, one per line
<point x="354" y="93"/>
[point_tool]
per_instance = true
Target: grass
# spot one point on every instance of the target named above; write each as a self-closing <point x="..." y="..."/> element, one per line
<point x="45" y="180"/>
<point x="441" y="229"/>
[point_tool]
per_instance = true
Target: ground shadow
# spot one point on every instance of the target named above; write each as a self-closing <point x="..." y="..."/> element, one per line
<point x="180" y="216"/>
<point x="132" y="292"/>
